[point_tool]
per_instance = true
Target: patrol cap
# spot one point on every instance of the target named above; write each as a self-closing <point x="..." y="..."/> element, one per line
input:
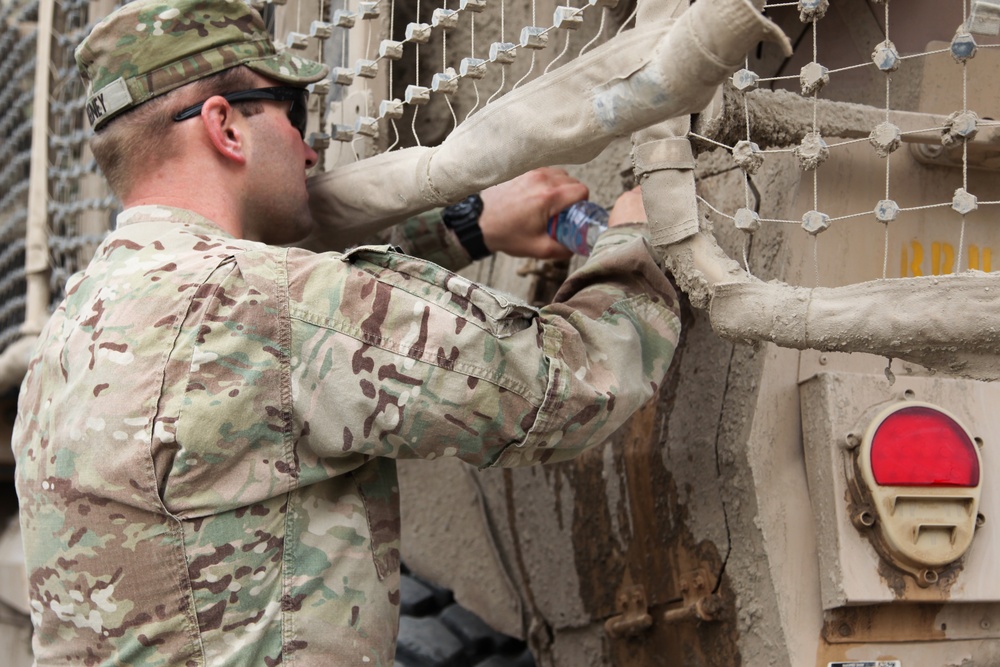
<point x="150" y="47"/>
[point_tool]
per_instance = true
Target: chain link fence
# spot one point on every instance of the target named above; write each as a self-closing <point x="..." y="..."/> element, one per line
<point x="78" y="209"/>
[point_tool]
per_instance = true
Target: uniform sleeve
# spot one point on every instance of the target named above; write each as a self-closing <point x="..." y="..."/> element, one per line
<point x="424" y="235"/>
<point x="395" y="356"/>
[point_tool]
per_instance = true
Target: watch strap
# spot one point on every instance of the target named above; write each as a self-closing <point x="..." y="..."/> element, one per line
<point x="463" y="219"/>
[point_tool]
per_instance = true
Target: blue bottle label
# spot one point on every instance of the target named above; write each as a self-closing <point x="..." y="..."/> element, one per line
<point x="578" y="226"/>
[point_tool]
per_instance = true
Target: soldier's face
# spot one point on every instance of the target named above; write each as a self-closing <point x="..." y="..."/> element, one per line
<point x="277" y="201"/>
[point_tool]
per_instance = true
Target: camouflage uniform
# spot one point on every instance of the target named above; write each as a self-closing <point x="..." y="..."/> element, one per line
<point x="206" y="437"/>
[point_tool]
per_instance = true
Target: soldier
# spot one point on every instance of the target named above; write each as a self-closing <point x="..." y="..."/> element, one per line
<point x="207" y="433"/>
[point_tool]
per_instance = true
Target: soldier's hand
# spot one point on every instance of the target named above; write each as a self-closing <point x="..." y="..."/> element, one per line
<point x="628" y="208"/>
<point x="516" y="213"/>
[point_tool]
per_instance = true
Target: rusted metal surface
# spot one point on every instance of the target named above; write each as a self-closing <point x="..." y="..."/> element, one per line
<point x="911" y="623"/>
<point x="644" y="540"/>
<point x="634" y="618"/>
<point x="699" y="603"/>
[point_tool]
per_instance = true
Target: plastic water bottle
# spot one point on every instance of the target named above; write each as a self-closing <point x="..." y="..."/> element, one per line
<point x="578" y="226"/>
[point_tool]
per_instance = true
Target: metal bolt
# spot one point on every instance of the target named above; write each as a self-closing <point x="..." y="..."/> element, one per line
<point x="964" y="202"/>
<point x="853" y="441"/>
<point x="812" y="10"/>
<point x="927" y="578"/>
<point x="473" y="68"/>
<point x="366" y="69"/>
<point x="445" y="82"/>
<point x="502" y="52"/>
<point x="390" y="109"/>
<point x="390" y="49"/>
<point x="320" y="87"/>
<point x="709" y="607"/>
<point x="744" y="80"/>
<point x="959" y="126"/>
<point x="320" y="29"/>
<point x="845" y="630"/>
<point x="815" y="222"/>
<point x="885" y="56"/>
<point x="366" y="126"/>
<point x="812" y="152"/>
<point x="885" y="138"/>
<point x="748" y="156"/>
<point x="813" y="77"/>
<point x="863" y="518"/>
<point x="963" y="46"/>
<point x="419" y="33"/>
<point x="886" y="210"/>
<point x="343" y="18"/>
<point x="567" y="18"/>
<point x="446" y="19"/>
<point x="368" y="10"/>
<point x="747" y="220"/>
<point x="534" y="37"/>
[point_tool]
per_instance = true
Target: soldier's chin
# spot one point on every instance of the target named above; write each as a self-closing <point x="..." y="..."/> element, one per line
<point x="292" y="231"/>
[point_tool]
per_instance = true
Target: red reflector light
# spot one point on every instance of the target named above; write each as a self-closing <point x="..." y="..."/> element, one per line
<point x="919" y="446"/>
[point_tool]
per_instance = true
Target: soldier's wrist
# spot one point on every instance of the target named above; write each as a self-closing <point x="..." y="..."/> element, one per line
<point x="462" y="218"/>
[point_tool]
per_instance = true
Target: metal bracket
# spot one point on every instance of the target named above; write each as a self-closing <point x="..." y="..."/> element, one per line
<point x="634" y="617"/>
<point x="700" y="604"/>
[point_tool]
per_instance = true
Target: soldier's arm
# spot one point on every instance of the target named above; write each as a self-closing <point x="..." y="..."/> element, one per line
<point x="513" y="221"/>
<point x="405" y="359"/>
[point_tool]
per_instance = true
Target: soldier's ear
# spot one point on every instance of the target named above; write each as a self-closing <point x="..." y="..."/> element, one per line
<point x="224" y="130"/>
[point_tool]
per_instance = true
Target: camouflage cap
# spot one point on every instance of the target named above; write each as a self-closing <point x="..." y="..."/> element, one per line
<point x="150" y="47"/>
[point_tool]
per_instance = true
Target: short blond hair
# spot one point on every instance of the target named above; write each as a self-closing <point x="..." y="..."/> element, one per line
<point x="131" y="143"/>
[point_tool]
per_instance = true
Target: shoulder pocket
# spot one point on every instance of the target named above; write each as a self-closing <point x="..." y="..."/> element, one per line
<point x="500" y="314"/>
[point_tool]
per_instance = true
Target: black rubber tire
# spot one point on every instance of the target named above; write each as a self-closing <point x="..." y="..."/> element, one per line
<point x="435" y="631"/>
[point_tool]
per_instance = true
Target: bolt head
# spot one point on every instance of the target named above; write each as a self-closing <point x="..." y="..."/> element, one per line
<point x="885" y="57"/>
<point x="964" y="202"/>
<point x="813" y="77"/>
<point x="747" y="220"/>
<point x="886" y="210"/>
<point x="885" y="138"/>
<point x="815" y="222"/>
<point x="748" y="156"/>
<point x="963" y="46"/>
<point x="812" y="10"/>
<point x="745" y="80"/>
<point x="960" y="126"/>
<point x="812" y="152"/>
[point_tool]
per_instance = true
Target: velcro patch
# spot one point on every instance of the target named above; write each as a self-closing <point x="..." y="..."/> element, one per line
<point x="109" y="100"/>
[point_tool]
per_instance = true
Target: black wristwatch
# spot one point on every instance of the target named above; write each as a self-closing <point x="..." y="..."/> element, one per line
<point x="463" y="219"/>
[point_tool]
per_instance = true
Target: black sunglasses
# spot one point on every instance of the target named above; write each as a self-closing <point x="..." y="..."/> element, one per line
<point x="297" y="114"/>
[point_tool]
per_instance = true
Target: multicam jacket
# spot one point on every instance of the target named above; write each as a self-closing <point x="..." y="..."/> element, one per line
<point x="206" y="436"/>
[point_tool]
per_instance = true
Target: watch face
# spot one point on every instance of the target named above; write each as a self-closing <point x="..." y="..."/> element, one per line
<point x="463" y="212"/>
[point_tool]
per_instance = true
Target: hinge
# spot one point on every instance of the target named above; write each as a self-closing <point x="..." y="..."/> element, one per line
<point x="634" y="617"/>
<point x="699" y="603"/>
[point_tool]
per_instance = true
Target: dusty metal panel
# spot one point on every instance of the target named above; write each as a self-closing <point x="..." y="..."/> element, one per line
<point x="984" y="652"/>
<point x="446" y="539"/>
<point x="853" y="573"/>
<point x="911" y="623"/>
